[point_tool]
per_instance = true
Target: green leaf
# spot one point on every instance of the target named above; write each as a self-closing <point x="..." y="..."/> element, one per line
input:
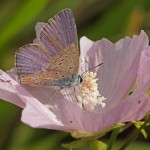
<point x="97" y="145"/>
<point x="138" y="124"/>
<point x="20" y="19"/>
<point x="112" y="22"/>
<point x="132" y="138"/>
<point x="32" y="139"/>
<point x="113" y="138"/>
<point x="75" y="144"/>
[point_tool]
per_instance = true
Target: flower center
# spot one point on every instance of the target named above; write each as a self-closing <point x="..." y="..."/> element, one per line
<point x="89" y="96"/>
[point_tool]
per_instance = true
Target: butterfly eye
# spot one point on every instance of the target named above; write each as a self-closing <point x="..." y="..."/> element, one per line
<point x="80" y="79"/>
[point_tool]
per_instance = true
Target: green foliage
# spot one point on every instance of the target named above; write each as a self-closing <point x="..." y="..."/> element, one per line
<point x="97" y="145"/>
<point x="75" y="144"/>
<point x="138" y="124"/>
<point x="95" y="135"/>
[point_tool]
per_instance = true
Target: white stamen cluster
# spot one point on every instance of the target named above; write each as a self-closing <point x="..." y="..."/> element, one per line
<point x="89" y="96"/>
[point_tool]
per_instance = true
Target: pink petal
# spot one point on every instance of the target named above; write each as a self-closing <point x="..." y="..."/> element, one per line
<point x="64" y="115"/>
<point x="53" y="109"/>
<point x="143" y="77"/>
<point x="7" y="91"/>
<point x="35" y="113"/>
<point x="134" y="108"/>
<point x="120" y="66"/>
<point x="38" y="29"/>
<point x="85" y="45"/>
<point x="42" y="108"/>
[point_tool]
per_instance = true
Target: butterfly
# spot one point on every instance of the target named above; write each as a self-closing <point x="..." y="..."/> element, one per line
<point x="54" y="60"/>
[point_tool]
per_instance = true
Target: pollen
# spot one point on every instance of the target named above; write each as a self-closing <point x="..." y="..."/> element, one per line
<point x="89" y="96"/>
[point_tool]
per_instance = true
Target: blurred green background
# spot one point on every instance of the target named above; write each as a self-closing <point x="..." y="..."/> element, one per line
<point x="112" y="19"/>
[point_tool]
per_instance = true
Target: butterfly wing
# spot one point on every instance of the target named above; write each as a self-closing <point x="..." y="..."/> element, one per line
<point x="57" y="55"/>
<point x="67" y="61"/>
<point x="59" y="33"/>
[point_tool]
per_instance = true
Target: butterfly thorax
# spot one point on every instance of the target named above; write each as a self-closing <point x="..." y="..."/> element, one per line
<point x="66" y="82"/>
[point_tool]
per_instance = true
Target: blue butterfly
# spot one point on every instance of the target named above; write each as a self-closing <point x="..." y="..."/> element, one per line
<point x="54" y="61"/>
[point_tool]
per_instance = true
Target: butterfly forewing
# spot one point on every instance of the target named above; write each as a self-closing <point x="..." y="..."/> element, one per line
<point x="59" y="33"/>
<point x="56" y="58"/>
<point x="31" y="59"/>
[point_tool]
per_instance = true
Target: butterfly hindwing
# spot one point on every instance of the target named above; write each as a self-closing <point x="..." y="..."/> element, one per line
<point x="30" y="59"/>
<point x="43" y="78"/>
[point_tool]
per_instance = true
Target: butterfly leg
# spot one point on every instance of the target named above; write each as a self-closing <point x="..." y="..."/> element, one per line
<point x="57" y="91"/>
<point x="83" y="107"/>
<point x="75" y="94"/>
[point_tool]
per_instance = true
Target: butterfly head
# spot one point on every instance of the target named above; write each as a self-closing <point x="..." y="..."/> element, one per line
<point x="80" y="79"/>
<point x="76" y="80"/>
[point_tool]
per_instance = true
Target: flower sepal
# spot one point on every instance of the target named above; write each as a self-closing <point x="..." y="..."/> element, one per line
<point x="91" y="138"/>
<point x="75" y="144"/>
<point x="97" y="145"/>
<point x="138" y="124"/>
<point x="95" y="135"/>
<point x="94" y="144"/>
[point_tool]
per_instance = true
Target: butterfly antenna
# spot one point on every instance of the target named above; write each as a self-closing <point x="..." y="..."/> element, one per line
<point x="92" y="68"/>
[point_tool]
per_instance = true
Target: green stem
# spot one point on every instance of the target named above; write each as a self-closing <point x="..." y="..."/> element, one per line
<point x="133" y="136"/>
<point x="113" y="138"/>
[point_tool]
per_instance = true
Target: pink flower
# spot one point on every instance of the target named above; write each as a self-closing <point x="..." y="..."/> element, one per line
<point x="123" y="80"/>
